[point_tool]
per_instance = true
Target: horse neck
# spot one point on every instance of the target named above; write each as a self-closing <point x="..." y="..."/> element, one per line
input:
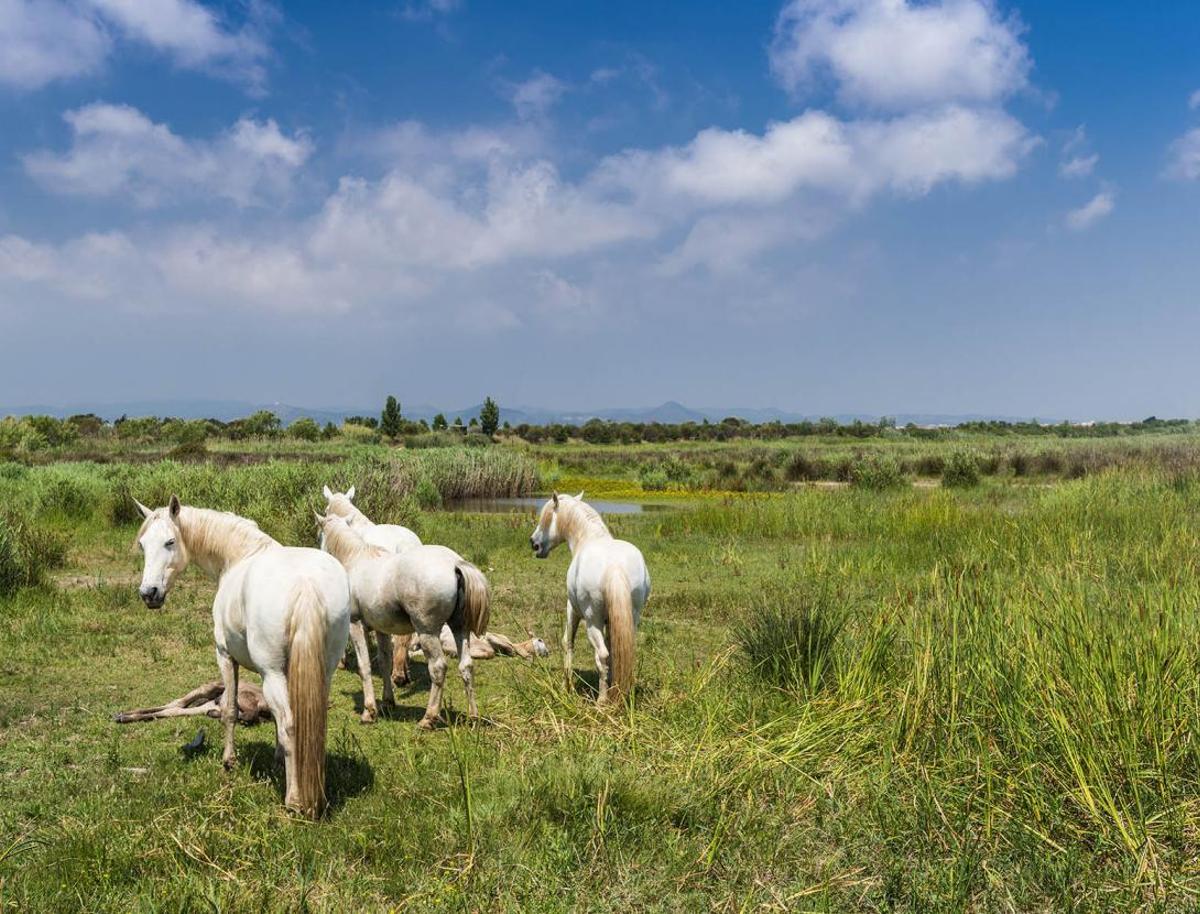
<point x="582" y="525"/>
<point x="351" y="512"/>
<point x="348" y="547"/>
<point x="215" y="540"/>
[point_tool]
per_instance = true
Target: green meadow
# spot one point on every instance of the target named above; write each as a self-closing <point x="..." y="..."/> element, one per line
<point x="869" y="696"/>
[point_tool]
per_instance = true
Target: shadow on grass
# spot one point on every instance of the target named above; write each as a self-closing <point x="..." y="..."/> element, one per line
<point x="347" y="774"/>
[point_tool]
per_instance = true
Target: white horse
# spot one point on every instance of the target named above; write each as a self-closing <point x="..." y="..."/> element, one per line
<point x="280" y="611"/>
<point x="420" y="589"/>
<point x="607" y="586"/>
<point x="392" y="537"/>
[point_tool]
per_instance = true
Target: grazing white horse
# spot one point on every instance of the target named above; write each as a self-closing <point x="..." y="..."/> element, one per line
<point x="392" y="537"/>
<point x="418" y="590"/>
<point x="607" y="586"/>
<point x="280" y="611"/>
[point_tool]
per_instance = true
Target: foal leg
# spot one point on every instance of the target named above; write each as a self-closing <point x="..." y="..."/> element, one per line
<point x="462" y="640"/>
<point x="275" y="692"/>
<point x="596" y="636"/>
<point x="229" y="705"/>
<point x="384" y="642"/>
<point x="399" y="664"/>
<point x="359" y="639"/>
<point x="435" y="659"/>
<point x="569" y="633"/>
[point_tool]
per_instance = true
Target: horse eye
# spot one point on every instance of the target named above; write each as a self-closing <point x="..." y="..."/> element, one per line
<point x="170" y="544"/>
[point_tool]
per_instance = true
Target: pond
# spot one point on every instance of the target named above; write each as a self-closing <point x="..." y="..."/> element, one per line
<point x="531" y="503"/>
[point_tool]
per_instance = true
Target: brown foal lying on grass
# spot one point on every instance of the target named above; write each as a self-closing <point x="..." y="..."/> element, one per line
<point x="206" y="700"/>
<point x="485" y="648"/>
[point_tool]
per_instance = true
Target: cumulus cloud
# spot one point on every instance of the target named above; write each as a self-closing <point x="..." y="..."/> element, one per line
<point x="1078" y="166"/>
<point x="900" y="54"/>
<point x="42" y="41"/>
<point x="117" y="151"/>
<point x="1091" y="212"/>
<point x="1184" y="157"/>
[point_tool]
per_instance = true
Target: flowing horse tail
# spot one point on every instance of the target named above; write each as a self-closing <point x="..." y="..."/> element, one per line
<point x="473" y="597"/>
<point x="618" y="603"/>
<point x="307" y="697"/>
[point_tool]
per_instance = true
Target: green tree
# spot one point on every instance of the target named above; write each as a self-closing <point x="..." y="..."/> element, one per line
<point x="489" y="416"/>
<point x="439" y="423"/>
<point x="305" y="428"/>
<point x="389" y="421"/>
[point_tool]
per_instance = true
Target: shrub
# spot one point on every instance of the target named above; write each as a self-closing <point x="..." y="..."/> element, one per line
<point x="427" y="494"/>
<point x="653" y="477"/>
<point x="877" y="473"/>
<point x="26" y="553"/>
<point x="791" y="645"/>
<point x="961" y="470"/>
<point x="304" y="429"/>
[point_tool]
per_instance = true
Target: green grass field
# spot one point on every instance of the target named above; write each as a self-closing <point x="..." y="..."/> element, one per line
<point x="915" y="699"/>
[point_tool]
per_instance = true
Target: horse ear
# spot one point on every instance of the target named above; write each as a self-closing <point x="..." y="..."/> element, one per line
<point x="579" y="497"/>
<point x="350" y="493"/>
<point x="328" y="493"/>
<point x="146" y="512"/>
<point x="175" y="506"/>
<point x="554" y="498"/>
<point x="319" y="516"/>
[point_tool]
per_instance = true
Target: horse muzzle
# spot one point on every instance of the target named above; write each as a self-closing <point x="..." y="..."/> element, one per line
<point x="153" y="597"/>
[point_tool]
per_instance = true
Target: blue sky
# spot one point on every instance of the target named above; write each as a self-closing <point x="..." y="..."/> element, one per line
<point x="822" y="205"/>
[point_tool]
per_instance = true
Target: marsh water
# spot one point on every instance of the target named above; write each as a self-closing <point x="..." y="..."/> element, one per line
<point x="531" y="503"/>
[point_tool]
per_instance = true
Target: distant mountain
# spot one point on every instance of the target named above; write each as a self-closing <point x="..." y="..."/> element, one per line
<point x="670" y="412"/>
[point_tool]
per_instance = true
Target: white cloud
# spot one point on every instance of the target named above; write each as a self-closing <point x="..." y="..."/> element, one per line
<point x="897" y="54"/>
<point x="1078" y="166"/>
<point x="42" y="41"/>
<point x="192" y="36"/>
<point x="1091" y="212"/>
<point x="817" y="152"/>
<point x="426" y="10"/>
<point x="117" y="151"/>
<point x="1194" y="100"/>
<point x="534" y="97"/>
<point x="1184" y="156"/>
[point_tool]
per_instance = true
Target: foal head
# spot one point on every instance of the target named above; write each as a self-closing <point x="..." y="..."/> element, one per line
<point x="342" y="504"/>
<point x="163" y="552"/>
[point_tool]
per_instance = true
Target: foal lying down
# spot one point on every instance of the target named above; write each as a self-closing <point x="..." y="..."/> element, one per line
<point x="206" y="701"/>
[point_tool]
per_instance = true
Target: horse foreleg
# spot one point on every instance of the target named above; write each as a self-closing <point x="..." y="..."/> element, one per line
<point x="275" y="691"/>
<point x="399" y="666"/>
<point x="462" y="640"/>
<point x="596" y="636"/>
<point x="435" y="660"/>
<point x="569" y="632"/>
<point x="384" y="643"/>
<point x="359" y="639"/>
<point x="229" y="705"/>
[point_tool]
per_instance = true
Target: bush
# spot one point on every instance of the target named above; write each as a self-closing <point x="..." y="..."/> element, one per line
<point x="961" y="470"/>
<point x="304" y="429"/>
<point x="26" y="554"/>
<point x="877" y="473"/>
<point x="653" y="477"/>
<point x="427" y="494"/>
<point x="791" y="646"/>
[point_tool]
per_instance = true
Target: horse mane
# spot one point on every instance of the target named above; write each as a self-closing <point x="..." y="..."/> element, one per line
<point x="347" y="544"/>
<point x="341" y="506"/>
<point x="579" y="520"/>
<point x="223" y="533"/>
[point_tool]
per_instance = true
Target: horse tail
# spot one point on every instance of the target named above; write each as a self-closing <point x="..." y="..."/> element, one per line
<point x="473" y="597"/>
<point x="618" y="603"/>
<point x="307" y="695"/>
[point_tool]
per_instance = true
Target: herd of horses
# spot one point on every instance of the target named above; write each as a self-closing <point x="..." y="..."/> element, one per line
<point x="287" y="612"/>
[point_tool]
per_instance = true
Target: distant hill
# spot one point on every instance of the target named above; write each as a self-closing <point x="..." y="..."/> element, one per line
<point x="671" y="412"/>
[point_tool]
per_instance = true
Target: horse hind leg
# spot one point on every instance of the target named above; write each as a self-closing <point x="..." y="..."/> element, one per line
<point x="570" y="630"/>
<point x="358" y="638"/>
<point x="435" y="659"/>
<point x="385" y="645"/>
<point x="596" y="636"/>
<point x="466" y="669"/>
<point x="275" y="691"/>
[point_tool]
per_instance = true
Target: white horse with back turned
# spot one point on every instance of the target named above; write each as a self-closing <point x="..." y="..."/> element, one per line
<point x="283" y="612"/>
<point x="392" y="537"/>
<point x="607" y="587"/>
<point x="418" y="590"/>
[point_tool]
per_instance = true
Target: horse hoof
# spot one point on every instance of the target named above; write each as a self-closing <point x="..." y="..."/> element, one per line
<point x="401" y="680"/>
<point x="229" y="762"/>
<point x="368" y="718"/>
<point x="427" y="723"/>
